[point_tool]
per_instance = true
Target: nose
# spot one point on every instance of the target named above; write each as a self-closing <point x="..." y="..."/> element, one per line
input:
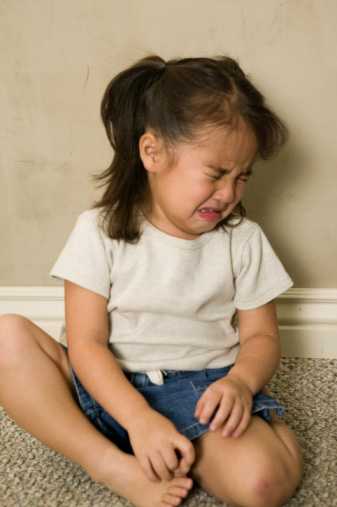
<point x="226" y="192"/>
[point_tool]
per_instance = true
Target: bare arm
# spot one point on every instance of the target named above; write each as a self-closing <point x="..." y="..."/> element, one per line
<point x="231" y="396"/>
<point x="153" y="437"/>
<point x="260" y="349"/>
<point x="87" y="325"/>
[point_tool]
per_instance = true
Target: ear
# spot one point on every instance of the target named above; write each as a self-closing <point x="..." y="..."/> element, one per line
<point x="151" y="151"/>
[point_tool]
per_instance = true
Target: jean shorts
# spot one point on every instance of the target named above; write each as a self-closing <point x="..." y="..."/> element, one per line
<point x="176" y="399"/>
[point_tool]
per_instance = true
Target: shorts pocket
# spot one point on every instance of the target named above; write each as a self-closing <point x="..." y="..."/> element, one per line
<point x="199" y="388"/>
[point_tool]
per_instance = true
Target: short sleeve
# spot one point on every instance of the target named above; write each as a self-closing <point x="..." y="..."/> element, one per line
<point x="261" y="276"/>
<point x="83" y="259"/>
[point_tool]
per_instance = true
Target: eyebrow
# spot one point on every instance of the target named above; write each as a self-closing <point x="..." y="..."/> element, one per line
<point x="221" y="170"/>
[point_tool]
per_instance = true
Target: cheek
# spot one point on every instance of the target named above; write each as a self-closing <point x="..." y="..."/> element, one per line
<point x="240" y="191"/>
<point x="198" y="189"/>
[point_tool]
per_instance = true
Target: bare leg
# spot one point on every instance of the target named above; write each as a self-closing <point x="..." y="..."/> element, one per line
<point x="287" y="437"/>
<point x="261" y="467"/>
<point x="36" y="392"/>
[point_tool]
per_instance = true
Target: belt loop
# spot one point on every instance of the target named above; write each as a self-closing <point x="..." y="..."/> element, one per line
<point x="155" y="376"/>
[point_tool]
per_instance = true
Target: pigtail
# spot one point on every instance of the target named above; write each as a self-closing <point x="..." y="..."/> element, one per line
<point x="124" y="115"/>
<point x="123" y="105"/>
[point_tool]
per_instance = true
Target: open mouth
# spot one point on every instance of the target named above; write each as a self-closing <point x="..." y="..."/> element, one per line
<point x="209" y="214"/>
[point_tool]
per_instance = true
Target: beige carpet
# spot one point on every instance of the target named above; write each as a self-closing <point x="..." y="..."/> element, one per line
<point x="31" y="475"/>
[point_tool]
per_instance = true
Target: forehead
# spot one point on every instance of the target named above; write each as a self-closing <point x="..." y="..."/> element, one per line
<point x="235" y="145"/>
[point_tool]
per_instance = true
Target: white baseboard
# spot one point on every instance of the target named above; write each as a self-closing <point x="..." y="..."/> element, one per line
<point x="307" y="317"/>
<point x="308" y="322"/>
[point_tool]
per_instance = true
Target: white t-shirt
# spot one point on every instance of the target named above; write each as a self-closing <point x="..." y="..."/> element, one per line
<point x="170" y="300"/>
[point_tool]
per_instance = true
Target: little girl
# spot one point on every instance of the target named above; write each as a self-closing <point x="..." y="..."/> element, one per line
<point x="170" y="324"/>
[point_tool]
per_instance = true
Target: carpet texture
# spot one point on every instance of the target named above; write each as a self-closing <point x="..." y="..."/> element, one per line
<point x="32" y="475"/>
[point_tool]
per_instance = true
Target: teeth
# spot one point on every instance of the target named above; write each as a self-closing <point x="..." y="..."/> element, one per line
<point x="205" y="210"/>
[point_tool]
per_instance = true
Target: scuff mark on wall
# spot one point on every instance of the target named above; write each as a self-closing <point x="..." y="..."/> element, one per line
<point x="86" y="77"/>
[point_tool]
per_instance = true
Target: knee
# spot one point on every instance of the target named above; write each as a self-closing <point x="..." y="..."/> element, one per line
<point x="274" y="493"/>
<point x="13" y="336"/>
<point x="272" y="486"/>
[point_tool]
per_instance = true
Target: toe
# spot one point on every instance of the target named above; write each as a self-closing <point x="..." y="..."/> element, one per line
<point x="171" y="500"/>
<point x="178" y="491"/>
<point x="185" y="482"/>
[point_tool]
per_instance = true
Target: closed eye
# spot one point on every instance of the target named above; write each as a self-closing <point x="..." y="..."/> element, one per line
<point x="221" y="172"/>
<point x="215" y="177"/>
<point x="242" y="177"/>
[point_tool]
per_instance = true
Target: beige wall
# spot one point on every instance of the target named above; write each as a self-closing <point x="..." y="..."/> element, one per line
<point x="56" y="59"/>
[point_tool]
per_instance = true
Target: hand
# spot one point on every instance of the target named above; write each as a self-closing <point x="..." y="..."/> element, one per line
<point x="234" y="401"/>
<point x="154" y="440"/>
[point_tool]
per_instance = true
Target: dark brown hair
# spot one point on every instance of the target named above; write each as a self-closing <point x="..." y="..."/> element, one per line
<point x="176" y="99"/>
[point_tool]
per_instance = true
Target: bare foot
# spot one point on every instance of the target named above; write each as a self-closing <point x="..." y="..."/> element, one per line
<point x="124" y="476"/>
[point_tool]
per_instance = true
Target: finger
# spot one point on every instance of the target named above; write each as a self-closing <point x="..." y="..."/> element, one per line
<point x="222" y="414"/>
<point x="186" y="449"/>
<point x="198" y="408"/>
<point x="160" y="467"/>
<point x="179" y="473"/>
<point x="234" y="419"/>
<point x="243" y="424"/>
<point x="208" y="409"/>
<point x="170" y="458"/>
<point x="203" y="402"/>
<point x="146" y="466"/>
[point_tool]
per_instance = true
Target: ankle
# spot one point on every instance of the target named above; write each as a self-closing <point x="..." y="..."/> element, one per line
<point x="108" y="461"/>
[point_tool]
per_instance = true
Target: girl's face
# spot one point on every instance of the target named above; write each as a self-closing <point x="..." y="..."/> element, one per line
<point x="210" y="173"/>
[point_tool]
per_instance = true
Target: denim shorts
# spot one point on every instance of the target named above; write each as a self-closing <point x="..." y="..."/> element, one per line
<point x="176" y="399"/>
